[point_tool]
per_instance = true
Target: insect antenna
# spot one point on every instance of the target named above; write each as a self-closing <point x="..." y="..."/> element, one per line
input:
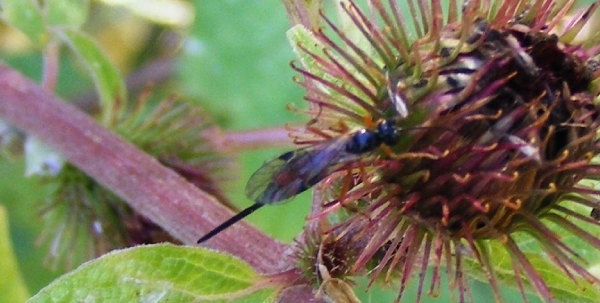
<point x="239" y="216"/>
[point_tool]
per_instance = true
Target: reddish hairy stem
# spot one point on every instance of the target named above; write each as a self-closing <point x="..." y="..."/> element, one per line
<point x="148" y="187"/>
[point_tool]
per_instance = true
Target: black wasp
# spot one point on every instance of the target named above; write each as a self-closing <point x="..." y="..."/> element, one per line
<point x="296" y="171"/>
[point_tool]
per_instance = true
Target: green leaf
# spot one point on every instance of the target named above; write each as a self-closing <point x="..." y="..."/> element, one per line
<point x="164" y="273"/>
<point x="573" y="241"/>
<point x="12" y="288"/>
<point x="105" y="75"/>
<point x="25" y="16"/>
<point x="561" y="286"/>
<point x="69" y="13"/>
<point x="299" y="37"/>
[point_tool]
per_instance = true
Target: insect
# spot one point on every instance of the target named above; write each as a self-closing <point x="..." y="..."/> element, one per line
<point x="296" y="171"/>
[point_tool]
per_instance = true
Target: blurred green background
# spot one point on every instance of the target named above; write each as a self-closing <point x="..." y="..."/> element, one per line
<point x="233" y="61"/>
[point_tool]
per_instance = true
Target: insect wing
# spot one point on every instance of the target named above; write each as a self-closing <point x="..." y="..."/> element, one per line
<point x="295" y="171"/>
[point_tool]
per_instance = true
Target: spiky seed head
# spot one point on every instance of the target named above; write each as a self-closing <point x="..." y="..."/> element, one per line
<point x="498" y="111"/>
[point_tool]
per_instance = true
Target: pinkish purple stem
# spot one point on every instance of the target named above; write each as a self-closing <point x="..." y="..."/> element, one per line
<point x="260" y="138"/>
<point x="148" y="187"/>
<point x="50" y="70"/>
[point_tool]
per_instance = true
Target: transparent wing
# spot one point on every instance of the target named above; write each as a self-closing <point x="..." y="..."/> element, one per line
<point x="296" y="171"/>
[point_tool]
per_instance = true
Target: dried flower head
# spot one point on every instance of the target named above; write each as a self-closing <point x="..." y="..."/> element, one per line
<point x="85" y="220"/>
<point x="464" y="129"/>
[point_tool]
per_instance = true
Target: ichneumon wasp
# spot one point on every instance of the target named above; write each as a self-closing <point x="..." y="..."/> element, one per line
<point x="296" y="171"/>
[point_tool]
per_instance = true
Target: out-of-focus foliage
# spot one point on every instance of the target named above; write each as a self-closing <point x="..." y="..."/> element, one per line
<point x="12" y="288"/>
